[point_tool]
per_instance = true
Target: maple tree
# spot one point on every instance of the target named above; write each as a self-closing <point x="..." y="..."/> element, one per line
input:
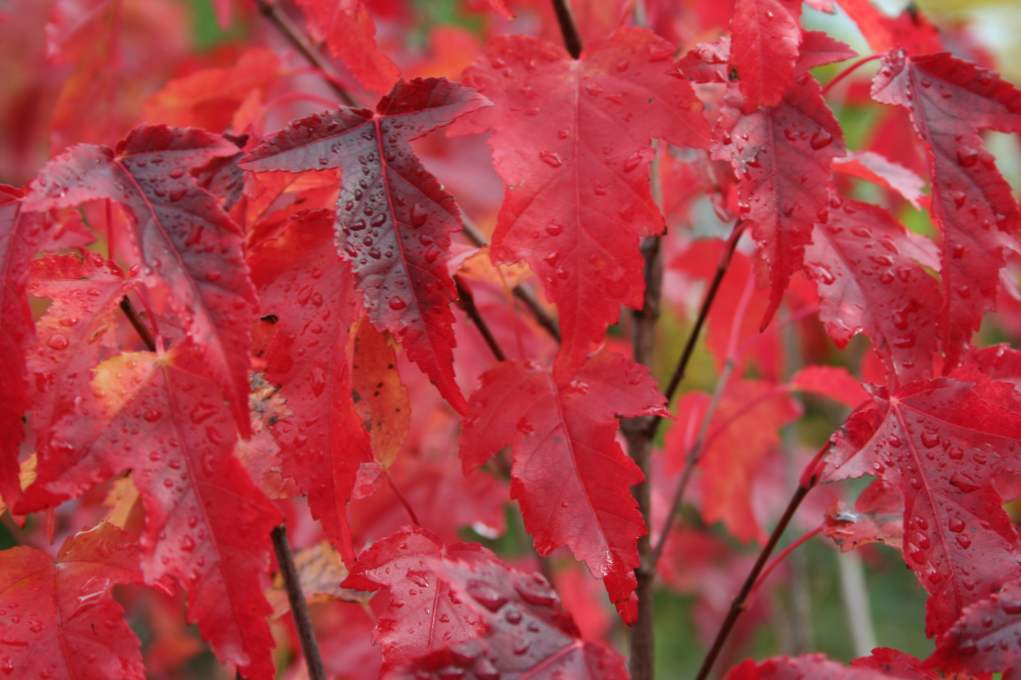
<point x="439" y="340"/>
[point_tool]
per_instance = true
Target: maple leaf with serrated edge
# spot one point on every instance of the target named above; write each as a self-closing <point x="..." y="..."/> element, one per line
<point x="64" y="623"/>
<point x="878" y="169"/>
<point x="458" y="608"/>
<point x="987" y="636"/>
<point x="185" y="245"/>
<point x="744" y="429"/>
<point x="349" y="32"/>
<point x="942" y="443"/>
<point x="950" y="102"/>
<point x="834" y="382"/>
<point x="206" y="524"/>
<point x="394" y="220"/>
<point x="84" y="291"/>
<point x="782" y="157"/>
<point x="304" y="284"/>
<point x="862" y="262"/>
<point x="568" y="473"/>
<point x="16" y="251"/>
<point x="571" y="141"/>
<point x="765" y="37"/>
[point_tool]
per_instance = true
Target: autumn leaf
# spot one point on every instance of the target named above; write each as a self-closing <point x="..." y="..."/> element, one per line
<point x="458" y="607"/>
<point x="63" y="622"/>
<point x="185" y="245"/>
<point x="394" y="220"/>
<point x="951" y="102"/>
<point x="571" y="141"/>
<point x="206" y="525"/>
<point x="765" y="37"/>
<point x="942" y="443"/>
<point x="568" y="473"/>
<point x="782" y="157"/>
<point x="308" y="291"/>
<point x="863" y="264"/>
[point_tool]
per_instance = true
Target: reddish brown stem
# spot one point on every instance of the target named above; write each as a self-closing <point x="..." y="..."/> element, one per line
<point x="299" y="607"/>
<point x="778" y="560"/>
<point x="848" y="71"/>
<point x="403" y="501"/>
<point x="703" y="314"/>
<point x="808" y="480"/>
<point x="467" y="301"/>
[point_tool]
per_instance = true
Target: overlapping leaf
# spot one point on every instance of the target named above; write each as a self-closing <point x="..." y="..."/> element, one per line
<point x="207" y="526"/>
<point x="765" y="37"/>
<point x="950" y="102"/>
<point x="987" y="637"/>
<point x="869" y="282"/>
<point x="571" y="141"/>
<point x="888" y="665"/>
<point x="942" y="443"/>
<point x="568" y="473"/>
<point x="457" y="610"/>
<point x="782" y="157"/>
<point x="186" y="247"/>
<point x="61" y="621"/>
<point x="349" y="32"/>
<point x="744" y="428"/>
<point x="394" y="220"/>
<point x="309" y="291"/>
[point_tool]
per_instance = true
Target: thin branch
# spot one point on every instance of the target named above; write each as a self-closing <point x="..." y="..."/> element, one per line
<point x="521" y="292"/>
<point x="784" y="554"/>
<point x="808" y="480"/>
<point x="299" y="607"/>
<point x="136" y="322"/>
<point x="572" y="39"/>
<point x="299" y="41"/>
<point x="467" y="301"/>
<point x="691" y="462"/>
<point x="848" y="71"/>
<point x="403" y="501"/>
<point x="703" y="314"/>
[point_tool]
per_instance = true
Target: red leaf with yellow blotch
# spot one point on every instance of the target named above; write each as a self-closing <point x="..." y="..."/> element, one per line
<point x="185" y="246"/>
<point x="951" y="102"/>
<point x="572" y="142"/>
<point x="568" y="473"/>
<point x="744" y="429"/>
<point x="943" y="443"/>
<point x="866" y="269"/>
<point x="394" y="220"/>
<point x="63" y="622"/>
<point x="307" y="293"/>
<point x="782" y="157"/>
<point x="765" y="37"/>
<point x="206" y="524"/>
<point x="458" y="610"/>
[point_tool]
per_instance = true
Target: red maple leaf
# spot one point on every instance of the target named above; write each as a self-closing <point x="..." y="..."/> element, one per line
<point x="308" y="293"/>
<point x="185" y="246"/>
<point x="951" y="101"/>
<point x="568" y="473"/>
<point x="457" y="609"/>
<point x="765" y="37"/>
<point x="782" y="157"/>
<point x="572" y="142"/>
<point x="866" y="269"/>
<point x="942" y="443"/>
<point x="394" y="220"/>
<point x="61" y="621"/>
